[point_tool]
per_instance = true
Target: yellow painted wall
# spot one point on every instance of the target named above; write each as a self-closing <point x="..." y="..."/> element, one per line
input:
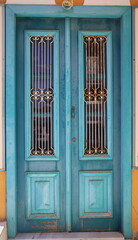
<point x="135" y="200"/>
<point x="75" y="2"/>
<point x="134" y="2"/>
<point x="2" y="196"/>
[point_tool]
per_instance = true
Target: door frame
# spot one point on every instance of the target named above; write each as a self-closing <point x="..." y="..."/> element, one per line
<point x="124" y="14"/>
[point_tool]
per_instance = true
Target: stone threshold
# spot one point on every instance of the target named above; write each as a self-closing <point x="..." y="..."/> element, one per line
<point x="3" y="231"/>
<point x="70" y="236"/>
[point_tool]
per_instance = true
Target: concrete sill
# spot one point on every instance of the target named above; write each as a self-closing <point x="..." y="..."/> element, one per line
<point x="3" y="231"/>
<point x="71" y="236"/>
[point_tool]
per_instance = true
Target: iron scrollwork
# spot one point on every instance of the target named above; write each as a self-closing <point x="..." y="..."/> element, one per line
<point x="95" y="95"/>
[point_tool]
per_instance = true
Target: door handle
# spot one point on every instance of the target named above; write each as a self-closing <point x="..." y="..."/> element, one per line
<point x="74" y="139"/>
<point x="73" y="112"/>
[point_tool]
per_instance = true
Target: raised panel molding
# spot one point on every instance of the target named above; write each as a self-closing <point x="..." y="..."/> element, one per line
<point x="96" y="194"/>
<point x="42" y="195"/>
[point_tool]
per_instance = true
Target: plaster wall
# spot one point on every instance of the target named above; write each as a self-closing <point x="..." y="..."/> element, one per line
<point x="135" y="200"/>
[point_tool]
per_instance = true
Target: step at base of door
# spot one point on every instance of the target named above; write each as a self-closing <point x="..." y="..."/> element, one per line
<point x="71" y="236"/>
<point x="3" y="231"/>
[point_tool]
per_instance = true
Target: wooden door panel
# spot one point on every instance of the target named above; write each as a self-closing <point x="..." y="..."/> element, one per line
<point x="41" y="177"/>
<point x="42" y="197"/>
<point x="96" y="185"/>
<point x="96" y="197"/>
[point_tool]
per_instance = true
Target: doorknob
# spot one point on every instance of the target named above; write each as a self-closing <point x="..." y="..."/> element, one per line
<point x="74" y="139"/>
<point x="73" y="112"/>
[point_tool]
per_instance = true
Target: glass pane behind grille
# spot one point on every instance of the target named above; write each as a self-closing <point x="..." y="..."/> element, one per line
<point x="95" y="95"/>
<point x="42" y="94"/>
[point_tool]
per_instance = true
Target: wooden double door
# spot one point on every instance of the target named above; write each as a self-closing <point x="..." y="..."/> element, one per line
<point x="68" y="124"/>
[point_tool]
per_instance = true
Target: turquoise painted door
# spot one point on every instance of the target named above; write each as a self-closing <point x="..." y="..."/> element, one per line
<point x="41" y="124"/>
<point x="96" y="148"/>
<point x="82" y="194"/>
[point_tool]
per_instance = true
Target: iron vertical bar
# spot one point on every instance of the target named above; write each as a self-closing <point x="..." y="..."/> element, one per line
<point x="92" y="101"/>
<point x="51" y="104"/>
<point x="39" y="104"/>
<point x="45" y="90"/>
<point x="32" y="104"/>
<point x="35" y="87"/>
<point x="104" y="103"/>
<point x="86" y="104"/>
<point x="88" y="76"/>
<point x="98" y="70"/>
<point x="101" y="72"/>
<point x="95" y="101"/>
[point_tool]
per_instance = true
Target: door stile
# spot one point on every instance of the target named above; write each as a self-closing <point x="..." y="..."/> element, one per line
<point x="68" y="124"/>
<point x="126" y="123"/>
<point x="11" y="163"/>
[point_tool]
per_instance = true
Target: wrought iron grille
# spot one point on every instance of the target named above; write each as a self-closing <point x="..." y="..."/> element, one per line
<point x="95" y="95"/>
<point x="42" y="94"/>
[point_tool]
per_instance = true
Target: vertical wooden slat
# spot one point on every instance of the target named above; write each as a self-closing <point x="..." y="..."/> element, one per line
<point x="126" y="121"/>
<point x="135" y="163"/>
<point x="68" y="124"/>
<point x="11" y="162"/>
<point x="2" y="87"/>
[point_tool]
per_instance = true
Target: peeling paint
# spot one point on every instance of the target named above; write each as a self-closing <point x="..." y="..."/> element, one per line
<point x="98" y="215"/>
